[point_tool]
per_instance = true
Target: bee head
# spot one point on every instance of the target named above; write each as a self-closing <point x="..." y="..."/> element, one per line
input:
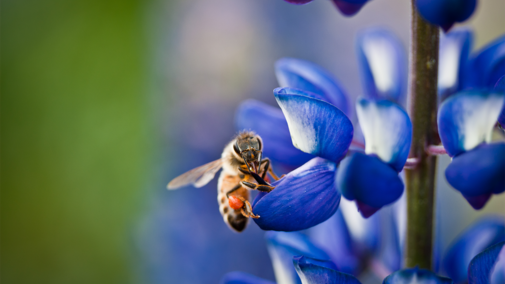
<point x="249" y="147"/>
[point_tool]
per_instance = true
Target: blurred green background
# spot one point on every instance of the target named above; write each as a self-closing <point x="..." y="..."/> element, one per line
<point x="75" y="139"/>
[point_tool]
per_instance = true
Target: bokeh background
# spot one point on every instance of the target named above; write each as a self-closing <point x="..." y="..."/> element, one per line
<point x="103" y="102"/>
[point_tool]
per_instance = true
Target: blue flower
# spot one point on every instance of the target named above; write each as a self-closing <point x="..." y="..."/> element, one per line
<point x="465" y="124"/>
<point x="488" y="267"/>
<point x="478" y="237"/>
<point x="347" y="7"/>
<point x="314" y="271"/>
<point x="445" y="13"/>
<point x="388" y="134"/>
<point x="295" y="260"/>
<point x="415" y="276"/>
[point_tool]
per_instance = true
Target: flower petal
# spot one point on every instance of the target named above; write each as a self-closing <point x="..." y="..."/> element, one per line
<point x="381" y="187"/>
<point x="282" y="247"/>
<point x="305" y="75"/>
<point x="488" y="66"/>
<point x="479" y="236"/>
<point x="349" y="7"/>
<point x="383" y="64"/>
<point x="480" y="171"/>
<point x="302" y="199"/>
<point x="445" y="13"/>
<point x="415" y="276"/>
<point x="237" y="277"/>
<point x="316" y="127"/>
<point x="466" y="119"/>
<point x="334" y="237"/>
<point x="387" y="130"/>
<point x="487" y="266"/>
<point x="269" y="123"/>
<point x="453" y="59"/>
<point x="313" y="271"/>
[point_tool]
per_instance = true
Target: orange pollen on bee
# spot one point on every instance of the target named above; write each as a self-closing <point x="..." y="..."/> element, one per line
<point x="235" y="203"/>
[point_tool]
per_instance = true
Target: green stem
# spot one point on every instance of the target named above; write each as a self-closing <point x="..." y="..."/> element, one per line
<point x="420" y="181"/>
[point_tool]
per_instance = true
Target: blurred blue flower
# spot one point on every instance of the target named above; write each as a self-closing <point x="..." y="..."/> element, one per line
<point x="445" y="13"/>
<point x="460" y="71"/>
<point x="488" y="267"/>
<point x="465" y="123"/>
<point x="415" y="276"/>
<point x="478" y="237"/>
<point x="314" y="271"/>
<point x="346" y="7"/>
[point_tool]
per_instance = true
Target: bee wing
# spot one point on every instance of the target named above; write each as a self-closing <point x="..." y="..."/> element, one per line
<point x="198" y="176"/>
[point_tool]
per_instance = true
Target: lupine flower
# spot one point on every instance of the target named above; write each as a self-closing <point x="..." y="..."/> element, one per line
<point x="347" y="7"/>
<point x="306" y="196"/>
<point x="385" y="125"/>
<point x="445" y="13"/>
<point x="465" y="124"/>
<point x="313" y="271"/>
<point x="478" y="237"/>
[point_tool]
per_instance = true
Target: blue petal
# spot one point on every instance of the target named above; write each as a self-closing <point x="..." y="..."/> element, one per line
<point x="387" y="130"/>
<point x="282" y="247"/>
<point x="302" y="199"/>
<point x="453" y="59"/>
<point x="381" y="187"/>
<point x="349" y="7"/>
<point x="316" y="127"/>
<point x="334" y="237"/>
<point x="488" y="66"/>
<point x="415" y="276"/>
<point x="466" y="119"/>
<point x="390" y="254"/>
<point x="313" y="271"/>
<point x="478" y="172"/>
<point x="305" y="75"/>
<point x="445" y="13"/>
<point x="486" y="267"/>
<point x="269" y="123"/>
<point x="479" y="236"/>
<point x="383" y="64"/>
<point x="238" y="277"/>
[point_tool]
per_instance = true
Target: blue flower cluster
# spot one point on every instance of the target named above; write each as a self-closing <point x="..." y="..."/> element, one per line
<point x="477" y="256"/>
<point x="443" y="13"/>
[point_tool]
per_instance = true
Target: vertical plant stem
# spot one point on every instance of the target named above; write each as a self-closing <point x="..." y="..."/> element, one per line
<point x="420" y="181"/>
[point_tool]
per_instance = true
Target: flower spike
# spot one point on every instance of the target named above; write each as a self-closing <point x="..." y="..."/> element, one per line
<point x="316" y="127"/>
<point x="383" y="64"/>
<point x="302" y="199"/>
<point x="314" y="271"/>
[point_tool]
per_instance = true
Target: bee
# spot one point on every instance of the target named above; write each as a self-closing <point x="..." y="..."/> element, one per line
<point x="244" y="169"/>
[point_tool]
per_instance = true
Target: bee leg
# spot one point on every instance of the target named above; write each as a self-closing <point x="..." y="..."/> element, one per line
<point x="247" y="209"/>
<point x="232" y="190"/>
<point x="268" y="169"/>
<point x="243" y="171"/>
<point x="260" y="187"/>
